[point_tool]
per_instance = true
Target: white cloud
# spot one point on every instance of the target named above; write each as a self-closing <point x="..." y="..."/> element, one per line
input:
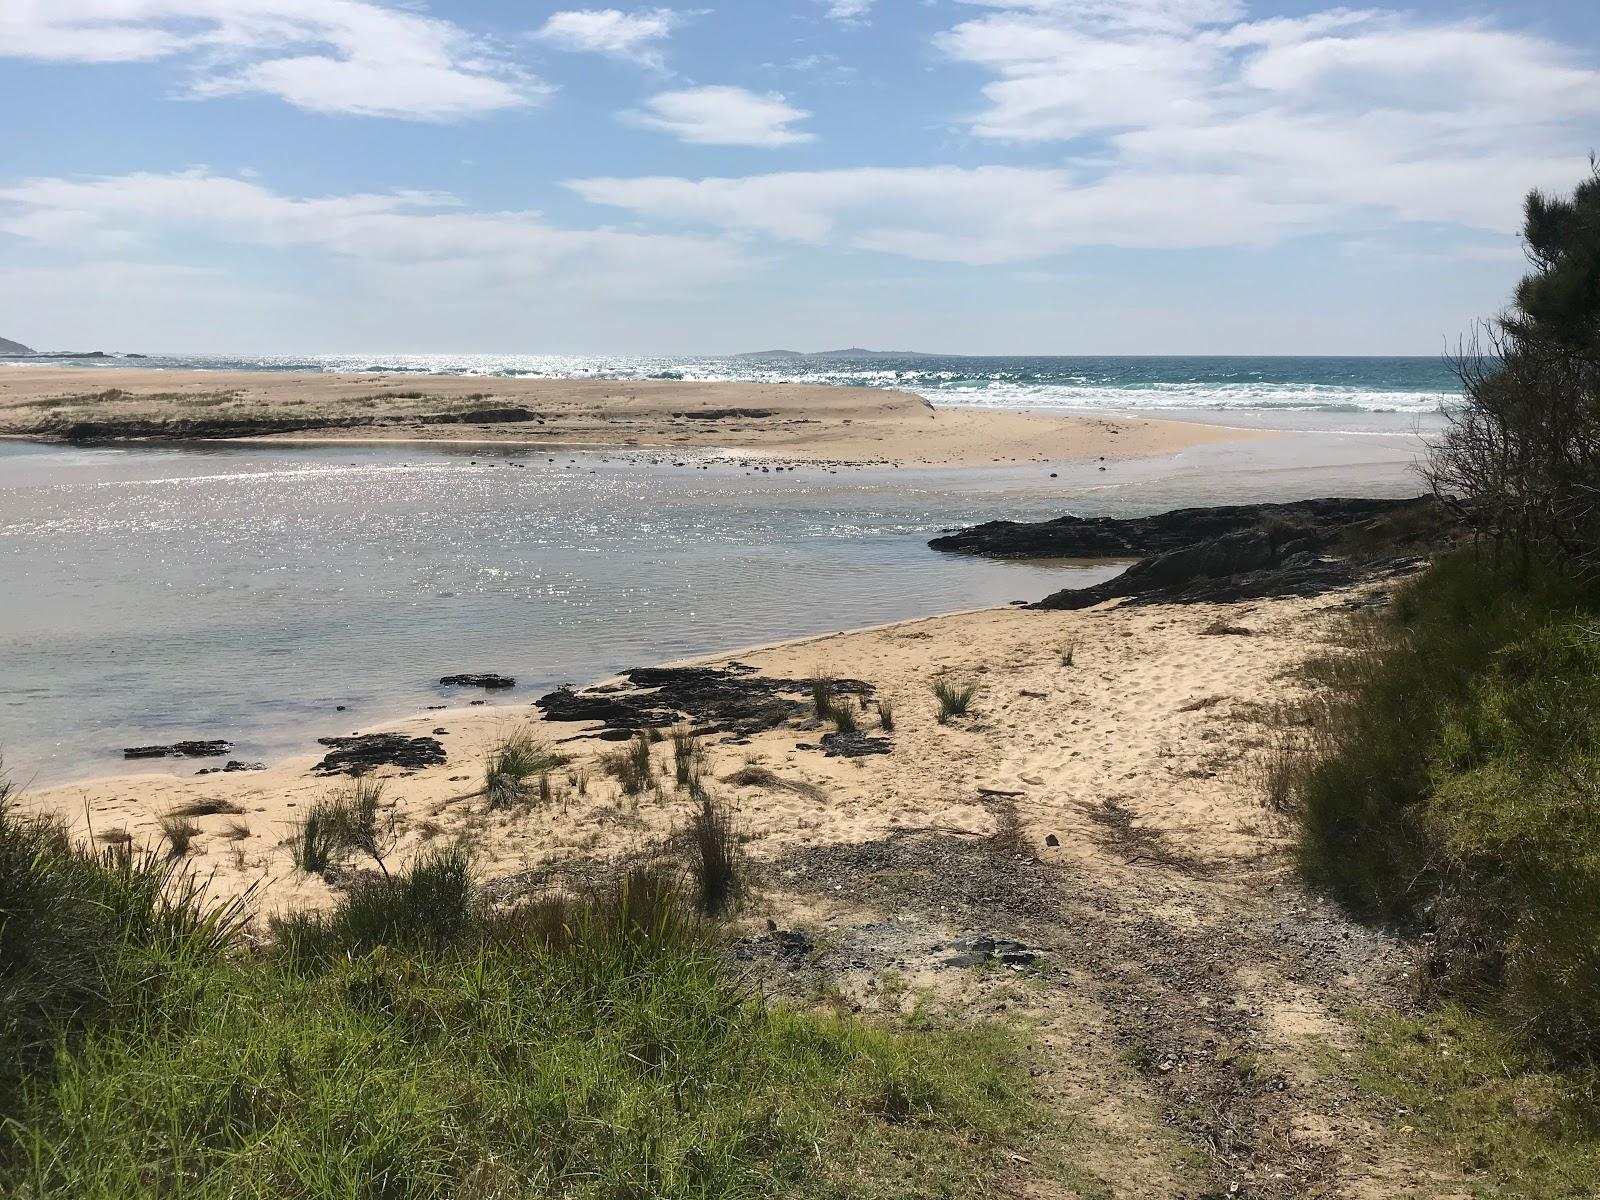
<point x="848" y="12"/>
<point x="334" y="56"/>
<point x="415" y="240"/>
<point x="636" y="36"/>
<point x="722" y="116"/>
<point x="1185" y="125"/>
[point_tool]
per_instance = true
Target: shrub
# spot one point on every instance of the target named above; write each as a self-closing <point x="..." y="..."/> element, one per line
<point x="1454" y="749"/>
<point x="886" y="714"/>
<point x="954" y="699"/>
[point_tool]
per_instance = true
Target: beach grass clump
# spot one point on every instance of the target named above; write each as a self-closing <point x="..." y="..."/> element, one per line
<point x="1069" y="654"/>
<point x="955" y="699"/>
<point x="844" y="718"/>
<point x="634" y="767"/>
<point x="90" y="935"/>
<point x="317" y="840"/>
<point x="716" y="861"/>
<point x="688" y="757"/>
<point x="179" y="831"/>
<point x="885" y="714"/>
<point x="515" y="760"/>
<point x="414" y="1042"/>
<point x="821" y="694"/>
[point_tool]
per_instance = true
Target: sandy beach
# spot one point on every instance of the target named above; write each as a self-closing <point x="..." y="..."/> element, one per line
<point x="846" y="425"/>
<point x="1151" y="697"/>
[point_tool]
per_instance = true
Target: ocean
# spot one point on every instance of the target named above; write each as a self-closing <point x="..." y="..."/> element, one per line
<point x="1249" y="387"/>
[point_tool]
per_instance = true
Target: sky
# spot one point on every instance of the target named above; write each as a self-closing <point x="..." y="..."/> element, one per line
<point x="964" y="176"/>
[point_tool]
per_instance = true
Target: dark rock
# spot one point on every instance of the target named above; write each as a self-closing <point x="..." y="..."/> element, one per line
<point x="232" y="765"/>
<point x="362" y="753"/>
<point x="1138" y="537"/>
<point x="854" y="745"/>
<point x="792" y="945"/>
<point x="733" y="700"/>
<point x="490" y="681"/>
<point x="719" y="414"/>
<point x="1295" y="550"/>
<point x="208" y="749"/>
<point x="1051" y="839"/>
<point x="482" y="416"/>
<point x="985" y="949"/>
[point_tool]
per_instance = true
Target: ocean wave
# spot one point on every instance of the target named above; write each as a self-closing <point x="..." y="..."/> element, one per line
<point x="1415" y="386"/>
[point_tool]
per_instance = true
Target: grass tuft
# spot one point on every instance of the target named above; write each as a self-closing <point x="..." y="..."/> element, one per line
<point x="179" y="832"/>
<point x="717" y="862"/>
<point x="513" y="761"/>
<point x="954" y="699"/>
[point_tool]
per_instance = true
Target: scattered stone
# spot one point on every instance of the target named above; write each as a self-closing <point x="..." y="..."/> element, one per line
<point x="231" y="766"/>
<point x="490" y="681"/>
<point x="980" y="951"/>
<point x="734" y="700"/>
<point x="1051" y="839"/>
<point x="194" y="749"/>
<point x="360" y="754"/>
<point x="791" y="945"/>
<point x="854" y="745"/>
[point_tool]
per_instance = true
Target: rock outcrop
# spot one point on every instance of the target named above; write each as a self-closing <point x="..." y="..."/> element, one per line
<point x="1138" y="537"/>
<point x="1292" y="550"/>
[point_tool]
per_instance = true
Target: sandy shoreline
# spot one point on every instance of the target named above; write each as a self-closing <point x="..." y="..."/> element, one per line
<point x="844" y="425"/>
<point x="1111" y="715"/>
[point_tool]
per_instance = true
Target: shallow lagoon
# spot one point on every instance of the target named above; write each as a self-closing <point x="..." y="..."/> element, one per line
<point x="243" y="591"/>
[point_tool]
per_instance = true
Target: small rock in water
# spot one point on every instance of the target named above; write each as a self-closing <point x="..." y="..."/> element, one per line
<point x="490" y="681"/>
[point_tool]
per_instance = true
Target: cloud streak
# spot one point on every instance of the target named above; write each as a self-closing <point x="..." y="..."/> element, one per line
<point x="632" y="36"/>
<point x="722" y="116"/>
<point x="353" y="57"/>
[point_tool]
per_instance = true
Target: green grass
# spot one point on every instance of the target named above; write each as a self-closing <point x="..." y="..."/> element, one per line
<point x="633" y="768"/>
<point x="412" y="1044"/>
<point x="955" y="699"/>
<point x="1453" y="769"/>
<point x="1516" y="1126"/>
<point x="514" y="760"/>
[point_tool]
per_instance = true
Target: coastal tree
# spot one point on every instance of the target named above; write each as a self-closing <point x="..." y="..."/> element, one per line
<point x="1523" y="451"/>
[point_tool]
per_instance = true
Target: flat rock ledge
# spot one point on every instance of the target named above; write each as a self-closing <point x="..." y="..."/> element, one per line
<point x="366" y="752"/>
<point x="732" y="700"/>
<point x="1230" y="553"/>
<point x="214" y="748"/>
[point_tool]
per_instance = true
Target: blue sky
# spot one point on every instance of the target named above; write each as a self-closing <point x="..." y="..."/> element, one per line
<point x="985" y="176"/>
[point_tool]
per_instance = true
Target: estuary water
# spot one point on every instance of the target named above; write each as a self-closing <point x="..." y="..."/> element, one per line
<point x="151" y="594"/>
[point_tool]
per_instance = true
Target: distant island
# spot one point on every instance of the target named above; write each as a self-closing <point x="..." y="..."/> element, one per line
<point x="853" y="352"/>
<point x="10" y="349"/>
